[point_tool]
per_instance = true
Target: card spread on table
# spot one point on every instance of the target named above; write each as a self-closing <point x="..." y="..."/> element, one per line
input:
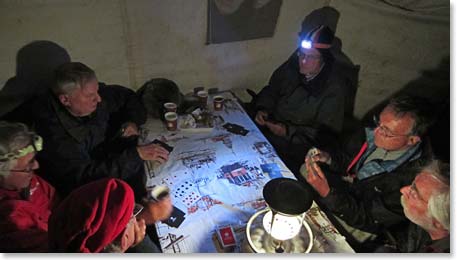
<point x="171" y="180"/>
<point x="183" y="188"/>
<point x="190" y="199"/>
<point x="186" y="193"/>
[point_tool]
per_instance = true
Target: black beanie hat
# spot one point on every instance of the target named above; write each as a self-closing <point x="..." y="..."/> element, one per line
<point x="320" y="37"/>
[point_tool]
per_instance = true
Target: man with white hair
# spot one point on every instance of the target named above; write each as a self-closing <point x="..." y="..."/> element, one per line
<point x="91" y="132"/>
<point x="26" y="200"/>
<point x="426" y="202"/>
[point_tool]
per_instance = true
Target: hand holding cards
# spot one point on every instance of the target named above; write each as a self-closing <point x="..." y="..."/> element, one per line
<point x="156" y="151"/>
<point x="153" y="152"/>
<point x="164" y="145"/>
<point x="314" y="175"/>
<point x="311" y="157"/>
<point x="316" y="155"/>
<point x="158" y="192"/>
<point x="157" y="204"/>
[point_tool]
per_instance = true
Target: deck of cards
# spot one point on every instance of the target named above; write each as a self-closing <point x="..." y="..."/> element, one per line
<point x="312" y="152"/>
<point x="226" y="236"/>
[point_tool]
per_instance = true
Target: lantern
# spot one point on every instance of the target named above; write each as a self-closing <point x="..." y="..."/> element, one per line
<point x="280" y="227"/>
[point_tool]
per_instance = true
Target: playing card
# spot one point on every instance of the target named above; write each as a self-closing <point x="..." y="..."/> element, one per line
<point x="190" y="198"/>
<point x="236" y="129"/>
<point x="176" y="218"/>
<point x="171" y="180"/>
<point x="175" y="177"/>
<point x="312" y="152"/>
<point x="186" y="193"/>
<point x="183" y="188"/>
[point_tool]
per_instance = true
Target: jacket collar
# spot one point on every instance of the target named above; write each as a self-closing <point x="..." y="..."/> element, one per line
<point x="316" y="86"/>
<point x="375" y="167"/>
<point x="73" y="125"/>
<point x="412" y="153"/>
<point x="438" y="246"/>
<point x="20" y="195"/>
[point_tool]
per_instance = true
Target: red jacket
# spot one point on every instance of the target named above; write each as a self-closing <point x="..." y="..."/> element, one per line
<point x="24" y="222"/>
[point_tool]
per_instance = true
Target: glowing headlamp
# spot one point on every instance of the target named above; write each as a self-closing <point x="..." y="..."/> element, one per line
<point x="306" y="44"/>
<point x="35" y="146"/>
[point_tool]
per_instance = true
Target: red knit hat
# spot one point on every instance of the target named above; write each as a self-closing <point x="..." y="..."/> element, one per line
<point x="91" y="217"/>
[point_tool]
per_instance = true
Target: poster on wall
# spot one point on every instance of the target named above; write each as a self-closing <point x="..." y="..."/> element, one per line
<point x="239" y="20"/>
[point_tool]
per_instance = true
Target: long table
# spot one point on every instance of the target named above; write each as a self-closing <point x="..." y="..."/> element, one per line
<point x="216" y="176"/>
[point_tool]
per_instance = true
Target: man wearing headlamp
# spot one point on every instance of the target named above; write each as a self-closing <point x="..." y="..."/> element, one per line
<point x="26" y="200"/>
<point x="303" y="104"/>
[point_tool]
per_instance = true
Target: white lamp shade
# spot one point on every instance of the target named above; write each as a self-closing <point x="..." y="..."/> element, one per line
<point x="284" y="227"/>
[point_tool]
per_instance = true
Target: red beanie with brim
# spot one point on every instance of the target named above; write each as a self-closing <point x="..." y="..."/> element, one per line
<point x="91" y="217"/>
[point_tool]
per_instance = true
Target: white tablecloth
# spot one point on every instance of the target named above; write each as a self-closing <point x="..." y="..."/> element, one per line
<point x="216" y="178"/>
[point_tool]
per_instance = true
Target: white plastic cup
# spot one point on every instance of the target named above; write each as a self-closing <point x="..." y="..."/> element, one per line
<point x="171" y="121"/>
<point x="170" y="107"/>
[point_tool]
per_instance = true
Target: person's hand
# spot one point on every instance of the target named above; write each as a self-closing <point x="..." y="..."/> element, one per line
<point x="153" y="152"/>
<point x="316" y="178"/>
<point x="278" y="129"/>
<point x="317" y="155"/>
<point x="129" y="129"/>
<point x="260" y="117"/>
<point x="140" y="231"/>
<point x="157" y="210"/>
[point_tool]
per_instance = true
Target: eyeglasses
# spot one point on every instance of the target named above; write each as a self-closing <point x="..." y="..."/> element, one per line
<point x="414" y="193"/>
<point x="384" y="130"/>
<point x="136" y="211"/>
<point x="35" y="146"/>
<point x="30" y="167"/>
<point x="307" y="56"/>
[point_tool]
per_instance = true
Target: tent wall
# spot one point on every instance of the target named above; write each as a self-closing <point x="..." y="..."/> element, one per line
<point x="129" y="42"/>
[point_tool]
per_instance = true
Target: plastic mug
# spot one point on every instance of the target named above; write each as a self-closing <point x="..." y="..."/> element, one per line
<point x="170" y="107"/>
<point x="218" y="103"/>
<point x="203" y="97"/>
<point x="171" y="120"/>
